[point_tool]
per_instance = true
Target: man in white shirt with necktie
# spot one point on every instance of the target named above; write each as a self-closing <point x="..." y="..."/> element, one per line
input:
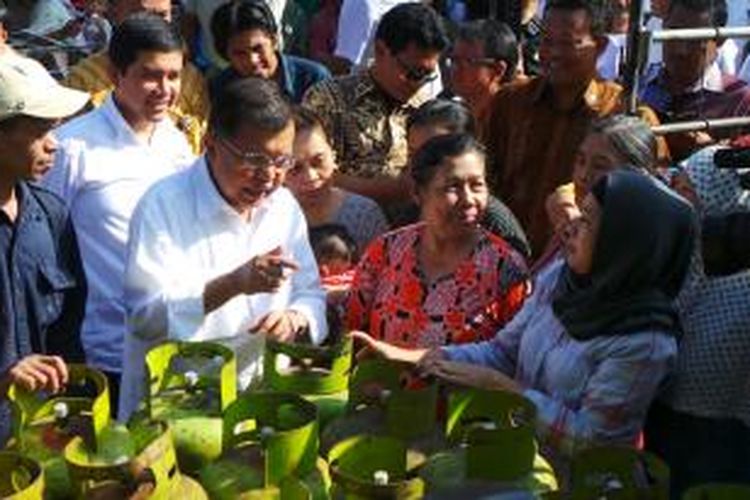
<point x="220" y="252"/>
<point x="107" y="159"/>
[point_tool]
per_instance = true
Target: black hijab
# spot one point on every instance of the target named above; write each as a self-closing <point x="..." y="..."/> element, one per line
<point x="640" y="260"/>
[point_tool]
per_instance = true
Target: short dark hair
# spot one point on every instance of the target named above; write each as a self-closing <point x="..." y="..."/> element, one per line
<point x="412" y="23"/>
<point x="332" y="241"/>
<point x="141" y="32"/>
<point x="593" y="11"/>
<point x="238" y="16"/>
<point x="305" y="119"/>
<point x="497" y="39"/>
<point x="427" y="160"/>
<point x="254" y="102"/>
<point x="717" y="9"/>
<point x="451" y="114"/>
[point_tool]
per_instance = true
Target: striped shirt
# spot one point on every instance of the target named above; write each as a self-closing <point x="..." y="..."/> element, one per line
<point x="586" y="392"/>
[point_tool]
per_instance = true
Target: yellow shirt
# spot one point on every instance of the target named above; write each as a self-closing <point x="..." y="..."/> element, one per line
<point x="190" y="112"/>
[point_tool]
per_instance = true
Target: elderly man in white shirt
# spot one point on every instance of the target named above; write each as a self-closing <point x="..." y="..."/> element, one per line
<point x="220" y="252"/>
<point x="107" y="159"/>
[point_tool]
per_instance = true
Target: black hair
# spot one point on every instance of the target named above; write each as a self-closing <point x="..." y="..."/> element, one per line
<point x="141" y="32"/>
<point x="593" y="11"/>
<point x="716" y="8"/>
<point x="305" y="119"/>
<point x="332" y="241"/>
<point x="412" y="23"/>
<point x="427" y="160"/>
<point x="453" y="115"/>
<point x="253" y="102"/>
<point x="497" y="39"/>
<point x="238" y="16"/>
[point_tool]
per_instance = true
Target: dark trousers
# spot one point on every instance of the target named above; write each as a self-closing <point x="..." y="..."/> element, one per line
<point x="698" y="450"/>
<point x="113" y="380"/>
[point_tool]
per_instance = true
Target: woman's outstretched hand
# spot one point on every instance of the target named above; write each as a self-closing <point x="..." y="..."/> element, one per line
<point x="468" y="375"/>
<point x="386" y="350"/>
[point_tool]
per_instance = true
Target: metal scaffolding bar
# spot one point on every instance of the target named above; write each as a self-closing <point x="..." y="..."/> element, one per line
<point x="701" y="33"/>
<point x="701" y="125"/>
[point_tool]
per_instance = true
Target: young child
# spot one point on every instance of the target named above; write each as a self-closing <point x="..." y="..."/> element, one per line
<point x="336" y="253"/>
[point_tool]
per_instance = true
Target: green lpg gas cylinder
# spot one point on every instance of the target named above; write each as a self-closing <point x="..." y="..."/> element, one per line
<point x="318" y="373"/>
<point x="617" y="473"/>
<point x="493" y="448"/>
<point x="718" y="491"/>
<point x="366" y="466"/>
<point x="21" y="478"/>
<point x="190" y="385"/>
<point x="43" y="424"/>
<point x="385" y="398"/>
<point x="270" y="449"/>
<point x="151" y="473"/>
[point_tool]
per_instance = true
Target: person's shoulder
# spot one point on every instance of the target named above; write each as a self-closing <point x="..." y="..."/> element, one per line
<point x="91" y="73"/>
<point x="83" y="125"/>
<point x="339" y="88"/>
<point x="308" y="66"/>
<point x="361" y="202"/>
<point x="51" y="202"/>
<point x="166" y="196"/>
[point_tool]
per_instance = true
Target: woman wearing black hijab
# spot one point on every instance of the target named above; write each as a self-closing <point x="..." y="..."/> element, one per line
<point x="592" y="343"/>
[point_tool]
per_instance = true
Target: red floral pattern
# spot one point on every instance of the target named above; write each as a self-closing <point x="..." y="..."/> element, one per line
<point x="391" y="300"/>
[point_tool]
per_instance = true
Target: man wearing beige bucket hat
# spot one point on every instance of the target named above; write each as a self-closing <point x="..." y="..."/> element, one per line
<point x="42" y="284"/>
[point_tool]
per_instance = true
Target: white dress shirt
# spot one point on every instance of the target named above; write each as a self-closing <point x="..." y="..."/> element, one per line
<point x="101" y="171"/>
<point x="183" y="235"/>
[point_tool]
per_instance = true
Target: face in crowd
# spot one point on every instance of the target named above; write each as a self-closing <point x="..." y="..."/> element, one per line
<point x="149" y="86"/>
<point x="686" y="60"/>
<point x="315" y="163"/>
<point x="403" y="73"/>
<point x="455" y="198"/>
<point x="246" y="175"/>
<point x="568" y="50"/>
<point x="580" y="237"/>
<point x="253" y="53"/>
<point x="28" y="147"/>
<point x="120" y="9"/>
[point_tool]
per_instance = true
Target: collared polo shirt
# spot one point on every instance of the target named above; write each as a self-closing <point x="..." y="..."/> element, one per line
<point x="183" y="235"/>
<point x="101" y="171"/>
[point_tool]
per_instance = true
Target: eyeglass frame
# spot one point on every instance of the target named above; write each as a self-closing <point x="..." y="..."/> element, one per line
<point x="472" y="61"/>
<point x="251" y="159"/>
<point x="416" y="75"/>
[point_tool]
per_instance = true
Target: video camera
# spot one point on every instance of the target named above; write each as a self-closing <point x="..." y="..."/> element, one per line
<point x="726" y="238"/>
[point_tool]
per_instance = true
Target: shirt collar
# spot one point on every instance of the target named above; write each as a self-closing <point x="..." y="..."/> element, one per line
<point x="712" y="79"/>
<point x="28" y="207"/>
<point x="123" y="131"/>
<point x="285" y="74"/>
<point x="591" y="98"/>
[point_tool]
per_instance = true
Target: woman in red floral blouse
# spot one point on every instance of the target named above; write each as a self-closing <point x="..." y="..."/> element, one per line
<point x="444" y="280"/>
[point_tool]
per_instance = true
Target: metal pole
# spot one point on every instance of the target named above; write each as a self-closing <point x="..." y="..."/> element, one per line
<point x="701" y="33"/>
<point x="634" y="59"/>
<point x="700" y="125"/>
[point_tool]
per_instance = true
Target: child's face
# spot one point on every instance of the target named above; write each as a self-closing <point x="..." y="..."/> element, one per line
<point x="334" y="266"/>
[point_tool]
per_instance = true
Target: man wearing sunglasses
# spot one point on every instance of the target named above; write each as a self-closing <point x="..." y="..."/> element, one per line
<point x="365" y="113"/>
<point x="220" y="252"/>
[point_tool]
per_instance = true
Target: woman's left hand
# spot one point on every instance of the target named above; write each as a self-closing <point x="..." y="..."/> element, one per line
<point x="470" y="375"/>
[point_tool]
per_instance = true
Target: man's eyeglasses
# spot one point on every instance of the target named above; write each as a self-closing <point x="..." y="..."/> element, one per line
<point x="416" y="74"/>
<point x="454" y="61"/>
<point x="258" y="161"/>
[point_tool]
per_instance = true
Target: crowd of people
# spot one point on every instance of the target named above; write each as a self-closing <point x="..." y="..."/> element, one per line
<point x="456" y="187"/>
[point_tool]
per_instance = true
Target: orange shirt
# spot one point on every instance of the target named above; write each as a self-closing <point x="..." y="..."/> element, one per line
<point x="532" y="146"/>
